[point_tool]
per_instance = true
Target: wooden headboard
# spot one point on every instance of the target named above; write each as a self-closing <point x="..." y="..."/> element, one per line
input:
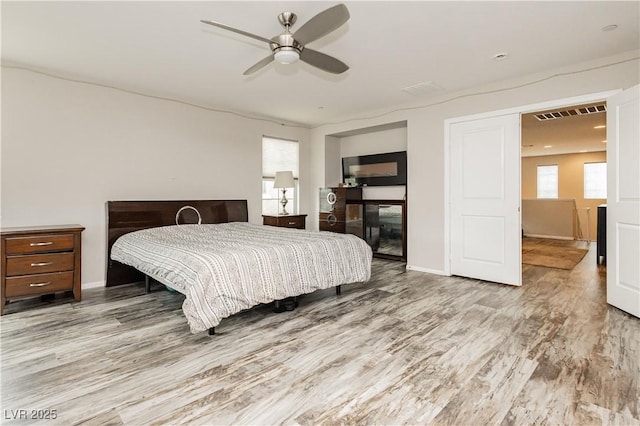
<point x="128" y="216"/>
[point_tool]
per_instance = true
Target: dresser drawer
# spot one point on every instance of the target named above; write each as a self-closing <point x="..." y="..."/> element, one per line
<point x="333" y="226"/>
<point x="332" y="217"/>
<point x="39" y="264"/>
<point x="285" y="221"/>
<point x="291" y="222"/>
<point x="40" y="260"/>
<point x="38" y="284"/>
<point x="39" y="244"/>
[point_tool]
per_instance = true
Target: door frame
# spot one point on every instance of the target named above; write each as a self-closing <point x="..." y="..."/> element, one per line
<point x="523" y="109"/>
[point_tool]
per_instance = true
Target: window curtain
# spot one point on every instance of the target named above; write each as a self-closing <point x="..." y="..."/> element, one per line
<point x="279" y="155"/>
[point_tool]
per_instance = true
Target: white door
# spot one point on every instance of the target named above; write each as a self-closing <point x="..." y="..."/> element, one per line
<point x="623" y="201"/>
<point x="485" y="199"/>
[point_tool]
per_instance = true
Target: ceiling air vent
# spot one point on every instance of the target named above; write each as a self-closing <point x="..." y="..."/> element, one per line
<point x="552" y="115"/>
<point x="422" y="88"/>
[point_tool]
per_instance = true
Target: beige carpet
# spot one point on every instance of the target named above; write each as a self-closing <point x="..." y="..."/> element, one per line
<point x="561" y="254"/>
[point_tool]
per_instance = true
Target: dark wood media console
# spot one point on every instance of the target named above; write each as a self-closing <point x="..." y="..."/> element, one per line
<point x="381" y="223"/>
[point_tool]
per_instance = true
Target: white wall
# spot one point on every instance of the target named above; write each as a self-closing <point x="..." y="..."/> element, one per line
<point x="378" y="142"/>
<point x="69" y="147"/>
<point x="425" y="139"/>
<point x="333" y="169"/>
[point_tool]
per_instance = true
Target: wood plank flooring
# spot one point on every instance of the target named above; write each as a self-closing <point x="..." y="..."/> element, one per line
<point x="406" y="348"/>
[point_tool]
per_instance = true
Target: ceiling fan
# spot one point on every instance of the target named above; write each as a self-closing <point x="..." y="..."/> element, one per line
<point x="288" y="48"/>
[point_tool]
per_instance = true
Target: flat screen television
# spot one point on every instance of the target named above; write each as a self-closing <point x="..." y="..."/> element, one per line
<point x="387" y="169"/>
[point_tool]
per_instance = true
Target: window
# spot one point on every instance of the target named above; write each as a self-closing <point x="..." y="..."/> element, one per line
<point x="595" y="180"/>
<point x="278" y="155"/>
<point x="548" y="181"/>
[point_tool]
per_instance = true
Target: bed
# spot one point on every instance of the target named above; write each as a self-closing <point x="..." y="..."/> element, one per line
<point x="227" y="265"/>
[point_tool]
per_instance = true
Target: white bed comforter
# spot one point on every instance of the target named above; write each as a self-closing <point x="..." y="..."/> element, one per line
<point x="226" y="268"/>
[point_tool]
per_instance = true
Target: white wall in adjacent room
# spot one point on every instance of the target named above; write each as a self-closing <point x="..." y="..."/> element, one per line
<point x="570" y="183"/>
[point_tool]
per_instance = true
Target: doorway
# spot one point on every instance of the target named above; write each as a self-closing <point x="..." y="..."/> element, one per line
<point x="623" y="175"/>
<point x="452" y="169"/>
<point x="563" y="178"/>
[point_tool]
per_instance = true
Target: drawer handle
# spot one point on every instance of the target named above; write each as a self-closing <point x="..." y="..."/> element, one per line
<point x="292" y="223"/>
<point x="39" y="284"/>
<point x="48" y="243"/>
<point x="42" y="264"/>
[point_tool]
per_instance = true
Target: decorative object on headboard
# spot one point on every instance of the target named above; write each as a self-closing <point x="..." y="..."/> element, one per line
<point x="128" y="216"/>
<point x="376" y="170"/>
<point x="185" y="208"/>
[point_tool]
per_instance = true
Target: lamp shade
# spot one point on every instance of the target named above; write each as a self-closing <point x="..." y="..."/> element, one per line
<point x="284" y="180"/>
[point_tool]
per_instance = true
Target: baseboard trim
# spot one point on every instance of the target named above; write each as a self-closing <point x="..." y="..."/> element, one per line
<point x="427" y="270"/>
<point x="94" y="284"/>
<point x="552" y="237"/>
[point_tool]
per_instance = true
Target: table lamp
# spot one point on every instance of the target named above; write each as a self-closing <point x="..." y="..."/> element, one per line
<point x="283" y="181"/>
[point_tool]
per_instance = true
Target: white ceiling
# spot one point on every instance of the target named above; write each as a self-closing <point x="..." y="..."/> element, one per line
<point x="161" y="49"/>
<point x="565" y="135"/>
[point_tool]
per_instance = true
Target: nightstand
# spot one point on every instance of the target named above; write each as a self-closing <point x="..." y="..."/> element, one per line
<point x="289" y="221"/>
<point x="40" y="260"/>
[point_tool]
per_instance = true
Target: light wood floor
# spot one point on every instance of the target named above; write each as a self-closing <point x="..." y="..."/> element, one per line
<point x="408" y="347"/>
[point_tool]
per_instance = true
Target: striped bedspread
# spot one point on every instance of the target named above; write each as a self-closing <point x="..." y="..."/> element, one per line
<point x="226" y="268"/>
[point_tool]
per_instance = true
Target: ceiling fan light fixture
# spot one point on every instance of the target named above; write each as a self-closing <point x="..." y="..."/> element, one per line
<point x="288" y="47"/>
<point x="286" y="55"/>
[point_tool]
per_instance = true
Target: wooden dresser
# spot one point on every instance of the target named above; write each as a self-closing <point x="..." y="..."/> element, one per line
<point x="40" y="260"/>
<point x="297" y="221"/>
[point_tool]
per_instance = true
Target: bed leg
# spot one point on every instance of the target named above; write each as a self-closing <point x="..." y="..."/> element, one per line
<point x="288" y="304"/>
<point x="212" y="331"/>
<point x="338" y="290"/>
<point x="147" y="284"/>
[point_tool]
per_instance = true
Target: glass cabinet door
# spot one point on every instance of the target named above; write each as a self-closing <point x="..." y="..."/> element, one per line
<point x="390" y="222"/>
<point x="354" y="220"/>
<point x="372" y="226"/>
<point x="384" y="228"/>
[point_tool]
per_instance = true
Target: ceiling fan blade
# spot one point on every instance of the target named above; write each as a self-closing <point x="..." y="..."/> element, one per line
<point x="235" y="30"/>
<point x="322" y="24"/>
<point x="322" y="61"/>
<point x="261" y="64"/>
